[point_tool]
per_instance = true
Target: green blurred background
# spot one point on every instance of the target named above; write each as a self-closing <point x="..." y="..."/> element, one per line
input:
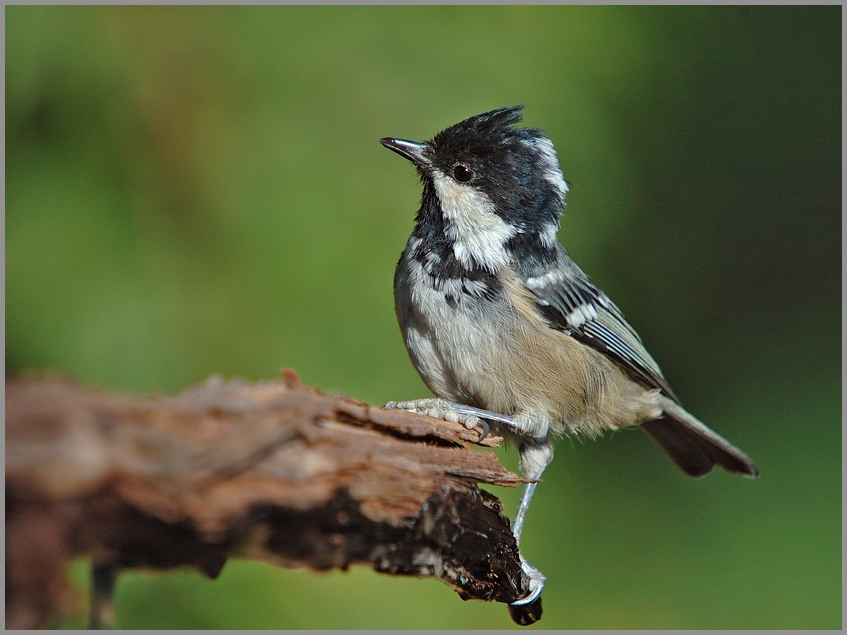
<point x="201" y="190"/>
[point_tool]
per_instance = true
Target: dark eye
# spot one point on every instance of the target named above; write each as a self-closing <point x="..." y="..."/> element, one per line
<point x="462" y="173"/>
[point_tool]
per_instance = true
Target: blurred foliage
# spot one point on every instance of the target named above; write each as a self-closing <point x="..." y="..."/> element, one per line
<point x="195" y="190"/>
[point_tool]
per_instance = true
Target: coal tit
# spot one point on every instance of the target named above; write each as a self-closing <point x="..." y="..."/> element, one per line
<point x="506" y="329"/>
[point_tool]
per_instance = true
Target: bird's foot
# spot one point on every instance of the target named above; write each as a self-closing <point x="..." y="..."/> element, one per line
<point x="468" y="416"/>
<point x="536" y="584"/>
<point x="528" y="610"/>
<point x="436" y="408"/>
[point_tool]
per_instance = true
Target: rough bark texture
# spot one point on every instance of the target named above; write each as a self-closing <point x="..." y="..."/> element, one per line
<point x="274" y="471"/>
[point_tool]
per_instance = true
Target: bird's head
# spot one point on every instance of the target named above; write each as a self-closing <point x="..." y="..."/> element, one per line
<point x="488" y="186"/>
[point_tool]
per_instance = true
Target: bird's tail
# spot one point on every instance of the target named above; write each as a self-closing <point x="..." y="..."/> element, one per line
<point x="693" y="446"/>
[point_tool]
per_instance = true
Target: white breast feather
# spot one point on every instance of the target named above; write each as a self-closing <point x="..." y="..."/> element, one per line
<point x="447" y="338"/>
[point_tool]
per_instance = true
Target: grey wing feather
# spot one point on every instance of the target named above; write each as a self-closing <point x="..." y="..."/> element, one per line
<point x="572" y="304"/>
<point x="568" y="300"/>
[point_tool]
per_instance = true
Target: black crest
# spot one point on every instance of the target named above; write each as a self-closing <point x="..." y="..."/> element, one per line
<point x="490" y="122"/>
<point x="483" y="135"/>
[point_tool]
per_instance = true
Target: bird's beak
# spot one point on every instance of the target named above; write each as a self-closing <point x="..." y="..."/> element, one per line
<point x="416" y="152"/>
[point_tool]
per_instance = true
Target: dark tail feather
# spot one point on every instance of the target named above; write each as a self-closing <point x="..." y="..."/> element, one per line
<point x="693" y="446"/>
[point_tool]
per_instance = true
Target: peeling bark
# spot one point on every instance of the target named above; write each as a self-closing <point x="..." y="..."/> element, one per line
<point x="273" y="471"/>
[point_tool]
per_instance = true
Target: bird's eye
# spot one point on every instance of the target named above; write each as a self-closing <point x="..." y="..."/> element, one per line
<point x="462" y="173"/>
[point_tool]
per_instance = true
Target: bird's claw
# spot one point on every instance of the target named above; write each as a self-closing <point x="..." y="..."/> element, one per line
<point x="536" y="584"/>
<point x="485" y="429"/>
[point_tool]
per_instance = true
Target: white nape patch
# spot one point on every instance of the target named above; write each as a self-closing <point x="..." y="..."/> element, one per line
<point x="548" y="279"/>
<point x="550" y="163"/>
<point x="580" y="315"/>
<point x="479" y="236"/>
<point x="549" y="235"/>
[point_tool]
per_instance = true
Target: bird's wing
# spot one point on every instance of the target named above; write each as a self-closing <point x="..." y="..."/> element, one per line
<point x="570" y="303"/>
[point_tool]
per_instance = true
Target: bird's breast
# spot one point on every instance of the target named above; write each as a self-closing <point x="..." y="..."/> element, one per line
<point x="495" y="351"/>
<point x="448" y="325"/>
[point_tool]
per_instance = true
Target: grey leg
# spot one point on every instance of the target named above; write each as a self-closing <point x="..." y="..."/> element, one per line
<point x="536" y="455"/>
<point x="483" y="414"/>
<point x="536" y="578"/>
<point x="523" y="506"/>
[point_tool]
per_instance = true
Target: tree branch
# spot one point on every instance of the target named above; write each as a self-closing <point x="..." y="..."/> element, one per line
<point x="273" y="471"/>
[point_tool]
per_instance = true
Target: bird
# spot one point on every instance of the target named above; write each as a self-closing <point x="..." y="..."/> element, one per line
<point x="506" y="330"/>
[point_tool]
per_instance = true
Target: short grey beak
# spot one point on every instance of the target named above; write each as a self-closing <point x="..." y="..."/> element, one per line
<point x="412" y="150"/>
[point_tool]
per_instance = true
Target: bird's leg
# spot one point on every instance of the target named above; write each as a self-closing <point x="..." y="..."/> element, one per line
<point x="523" y="506"/>
<point x="536" y="578"/>
<point x="536" y="455"/>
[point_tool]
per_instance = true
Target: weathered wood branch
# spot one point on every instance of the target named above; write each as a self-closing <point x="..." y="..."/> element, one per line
<point x="273" y="471"/>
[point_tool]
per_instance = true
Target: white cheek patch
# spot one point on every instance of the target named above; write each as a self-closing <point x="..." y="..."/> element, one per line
<point x="479" y="236"/>
<point x="550" y="165"/>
